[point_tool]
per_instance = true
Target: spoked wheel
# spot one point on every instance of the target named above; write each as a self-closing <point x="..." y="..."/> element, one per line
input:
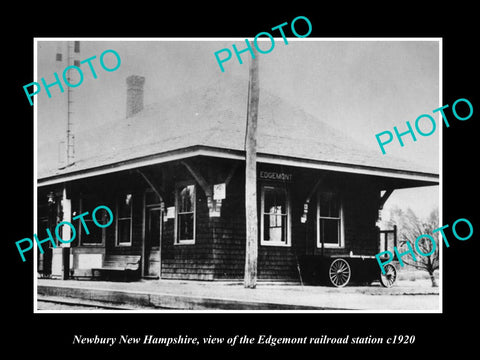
<point x="339" y="272"/>
<point x="388" y="279"/>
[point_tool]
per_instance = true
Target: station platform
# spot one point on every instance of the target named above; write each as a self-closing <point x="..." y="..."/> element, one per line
<point x="158" y="295"/>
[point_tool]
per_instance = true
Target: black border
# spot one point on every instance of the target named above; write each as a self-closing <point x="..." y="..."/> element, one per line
<point x="52" y="334"/>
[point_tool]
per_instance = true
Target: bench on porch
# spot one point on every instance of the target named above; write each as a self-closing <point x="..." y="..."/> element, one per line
<point x="119" y="267"/>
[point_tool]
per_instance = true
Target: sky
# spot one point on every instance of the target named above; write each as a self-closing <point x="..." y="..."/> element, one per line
<point x="359" y="87"/>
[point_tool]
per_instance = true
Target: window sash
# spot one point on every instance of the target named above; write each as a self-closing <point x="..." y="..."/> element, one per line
<point x="181" y="215"/>
<point x="276" y="229"/>
<point x="186" y="204"/>
<point x="124" y="230"/>
<point x="120" y="220"/>
<point x="95" y="237"/>
<point x="329" y="205"/>
<point x="339" y="220"/>
<point x="326" y="230"/>
<point x="185" y="227"/>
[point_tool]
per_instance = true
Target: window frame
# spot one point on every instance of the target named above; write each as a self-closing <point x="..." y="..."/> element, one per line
<point x="341" y="233"/>
<point x="178" y="188"/>
<point x="117" y="219"/>
<point x="288" y="240"/>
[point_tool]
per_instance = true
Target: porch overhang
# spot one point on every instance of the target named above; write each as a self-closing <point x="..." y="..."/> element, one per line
<point x="76" y="172"/>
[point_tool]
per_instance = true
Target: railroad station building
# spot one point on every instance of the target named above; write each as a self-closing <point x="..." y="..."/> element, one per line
<point x="173" y="174"/>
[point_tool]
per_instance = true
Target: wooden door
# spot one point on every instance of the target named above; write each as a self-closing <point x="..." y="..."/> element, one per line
<point x="153" y="237"/>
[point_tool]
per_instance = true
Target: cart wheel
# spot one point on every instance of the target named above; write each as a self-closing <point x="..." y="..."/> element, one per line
<point x="339" y="272"/>
<point x="388" y="279"/>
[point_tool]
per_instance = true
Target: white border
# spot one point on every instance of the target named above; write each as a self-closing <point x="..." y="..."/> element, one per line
<point x="35" y="180"/>
<point x="35" y="184"/>
<point x="440" y="169"/>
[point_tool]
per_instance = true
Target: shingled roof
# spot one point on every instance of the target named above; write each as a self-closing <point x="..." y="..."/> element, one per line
<point x="214" y="117"/>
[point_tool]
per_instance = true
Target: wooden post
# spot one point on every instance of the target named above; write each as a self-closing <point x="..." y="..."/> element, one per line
<point x="395" y="235"/>
<point x="251" y="250"/>
<point x="66" y="233"/>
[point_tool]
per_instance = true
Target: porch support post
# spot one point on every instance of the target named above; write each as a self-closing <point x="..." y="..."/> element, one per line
<point x="66" y="233"/>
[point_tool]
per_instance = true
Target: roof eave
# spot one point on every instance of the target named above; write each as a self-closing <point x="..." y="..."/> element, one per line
<point x="193" y="151"/>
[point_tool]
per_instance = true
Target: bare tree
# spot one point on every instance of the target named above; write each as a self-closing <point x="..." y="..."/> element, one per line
<point x="410" y="227"/>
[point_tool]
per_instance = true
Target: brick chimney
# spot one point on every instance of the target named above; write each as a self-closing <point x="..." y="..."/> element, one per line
<point x="134" y="94"/>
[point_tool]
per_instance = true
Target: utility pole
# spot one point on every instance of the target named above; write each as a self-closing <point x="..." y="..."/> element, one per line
<point x="72" y="48"/>
<point x="75" y="46"/>
<point x="251" y="217"/>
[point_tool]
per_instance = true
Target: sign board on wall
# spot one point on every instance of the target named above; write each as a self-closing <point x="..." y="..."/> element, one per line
<point x="273" y="175"/>
<point x="170" y="213"/>
<point x="219" y="191"/>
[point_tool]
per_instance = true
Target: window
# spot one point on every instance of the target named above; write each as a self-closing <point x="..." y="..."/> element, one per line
<point x="185" y="224"/>
<point x="95" y="236"/>
<point x="329" y="226"/>
<point x="124" y="220"/>
<point x="275" y="217"/>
